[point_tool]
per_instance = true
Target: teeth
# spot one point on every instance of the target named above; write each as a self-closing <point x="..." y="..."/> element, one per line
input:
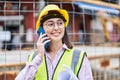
<point x="56" y="34"/>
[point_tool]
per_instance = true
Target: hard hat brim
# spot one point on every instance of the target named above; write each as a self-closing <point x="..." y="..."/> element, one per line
<point x="61" y="11"/>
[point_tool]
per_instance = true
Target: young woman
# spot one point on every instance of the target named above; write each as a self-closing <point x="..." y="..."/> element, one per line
<point x="54" y="50"/>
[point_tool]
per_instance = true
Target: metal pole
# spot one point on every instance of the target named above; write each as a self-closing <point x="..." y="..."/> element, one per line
<point x="119" y="65"/>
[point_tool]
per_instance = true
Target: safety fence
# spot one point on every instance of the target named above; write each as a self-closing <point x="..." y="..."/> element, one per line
<point x="89" y="27"/>
<point x="105" y="67"/>
<point x="108" y="67"/>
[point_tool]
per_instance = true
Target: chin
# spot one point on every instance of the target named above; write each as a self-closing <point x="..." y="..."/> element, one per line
<point x="57" y="39"/>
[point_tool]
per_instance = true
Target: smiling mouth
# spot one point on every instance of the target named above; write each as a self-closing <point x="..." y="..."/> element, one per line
<point x="56" y="34"/>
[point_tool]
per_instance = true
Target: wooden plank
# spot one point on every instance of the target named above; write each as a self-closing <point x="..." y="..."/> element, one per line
<point x="116" y="55"/>
<point x="60" y="1"/>
<point x="8" y="75"/>
<point x="12" y="64"/>
<point x="100" y="3"/>
<point x="97" y="2"/>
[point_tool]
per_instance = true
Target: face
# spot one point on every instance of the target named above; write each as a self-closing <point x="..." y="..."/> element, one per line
<point x="54" y="28"/>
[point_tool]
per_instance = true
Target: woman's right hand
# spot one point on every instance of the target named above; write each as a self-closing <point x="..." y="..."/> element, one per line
<point x="42" y="40"/>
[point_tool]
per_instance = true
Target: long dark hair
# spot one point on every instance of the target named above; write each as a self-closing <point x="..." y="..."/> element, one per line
<point x="65" y="40"/>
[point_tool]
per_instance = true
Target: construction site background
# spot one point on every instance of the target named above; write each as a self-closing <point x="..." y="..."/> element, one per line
<point x="94" y="27"/>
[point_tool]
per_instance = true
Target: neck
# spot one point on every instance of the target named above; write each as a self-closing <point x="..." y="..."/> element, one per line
<point x="55" y="46"/>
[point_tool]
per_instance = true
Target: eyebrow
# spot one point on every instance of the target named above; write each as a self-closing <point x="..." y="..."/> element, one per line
<point x="49" y="21"/>
<point x="53" y="21"/>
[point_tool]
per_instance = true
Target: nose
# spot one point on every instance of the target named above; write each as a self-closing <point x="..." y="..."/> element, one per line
<point x="56" y="26"/>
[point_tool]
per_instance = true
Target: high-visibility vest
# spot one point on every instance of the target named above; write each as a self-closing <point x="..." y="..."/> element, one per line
<point x="65" y="59"/>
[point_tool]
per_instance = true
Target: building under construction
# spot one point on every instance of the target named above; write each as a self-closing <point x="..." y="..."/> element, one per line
<point x="94" y="26"/>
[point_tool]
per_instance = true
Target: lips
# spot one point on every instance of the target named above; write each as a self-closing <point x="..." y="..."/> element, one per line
<point x="56" y="34"/>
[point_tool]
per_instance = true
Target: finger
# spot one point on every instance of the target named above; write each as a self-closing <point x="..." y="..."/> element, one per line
<point x="41" y="36"/>
<point x="47" y="41"/>
<point x="44" y="39"/>
<point x="44" y="35"/>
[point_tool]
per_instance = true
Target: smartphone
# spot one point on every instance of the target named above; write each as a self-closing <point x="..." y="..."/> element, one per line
<point x="41" y="30"/>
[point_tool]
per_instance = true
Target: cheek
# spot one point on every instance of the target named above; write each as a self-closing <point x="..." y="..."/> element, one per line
<point x="47" y="32"/>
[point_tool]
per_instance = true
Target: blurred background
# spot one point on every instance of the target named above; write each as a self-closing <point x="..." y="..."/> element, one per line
<point x="94" y="26"/>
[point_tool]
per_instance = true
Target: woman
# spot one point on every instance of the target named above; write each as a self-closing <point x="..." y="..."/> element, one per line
<point x="49" y="61"/>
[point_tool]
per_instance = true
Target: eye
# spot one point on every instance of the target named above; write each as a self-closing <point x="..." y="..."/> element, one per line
<point x="60" y="23"/>
<point x="50" y="24"/>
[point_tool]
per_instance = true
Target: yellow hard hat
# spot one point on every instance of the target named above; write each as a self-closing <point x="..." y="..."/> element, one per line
<point x="52" y="7"/>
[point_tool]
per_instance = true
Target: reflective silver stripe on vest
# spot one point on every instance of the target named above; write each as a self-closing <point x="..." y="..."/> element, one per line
<point x="75" y="58"/>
